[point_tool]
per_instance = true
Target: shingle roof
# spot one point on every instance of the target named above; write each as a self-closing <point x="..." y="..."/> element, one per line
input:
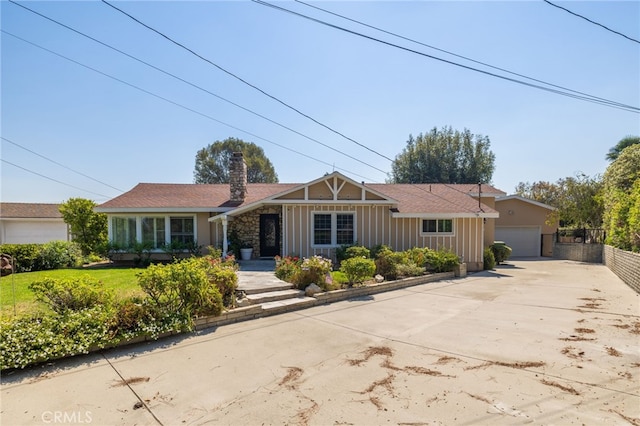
<point x="412" y="198"/>
<point x="189" y="196"/>
<point x="29" y="211"/>
<point x="433" y="198"/>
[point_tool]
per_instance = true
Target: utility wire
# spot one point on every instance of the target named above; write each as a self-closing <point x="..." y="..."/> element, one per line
<point x="52" y="179"/>
<point x="182" y="106"/>
<point x="593" y="99"/>
<point x="196" y="86"/>
<point x="246" y="82"/>
<point x="589" y="20"/>
<point x="61" y="165"/>
<point x="447" y="52"/>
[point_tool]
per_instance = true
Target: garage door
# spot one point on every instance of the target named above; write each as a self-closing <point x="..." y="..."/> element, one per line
<point x="524" y="241"/>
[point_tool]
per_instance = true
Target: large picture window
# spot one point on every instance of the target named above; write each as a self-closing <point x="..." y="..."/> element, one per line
<point x="333" y="229"/>
<point x="123" y="231"/>
<point x="437" y="226"/>
<point x="153" y="231"/>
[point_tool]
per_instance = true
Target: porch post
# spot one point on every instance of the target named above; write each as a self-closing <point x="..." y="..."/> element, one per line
<point x="224" y="236"/>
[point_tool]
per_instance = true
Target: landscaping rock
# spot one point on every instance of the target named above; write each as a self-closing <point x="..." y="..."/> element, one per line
<point x="312" y="289"/>
<point x="379" y="278"/>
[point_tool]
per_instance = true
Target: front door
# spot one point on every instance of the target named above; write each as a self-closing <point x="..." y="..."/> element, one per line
<point x="269" y="235"/>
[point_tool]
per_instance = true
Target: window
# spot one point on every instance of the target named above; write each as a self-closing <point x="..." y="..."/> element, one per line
<point x="322" y="229"/>
<point x="124" y="231"/>
<point x="333" y="229"/>
<point x="182" y="230"/>
<point x="344" y="229"/>
<point x="153" y="231"/>
<point x="437" y="226"/>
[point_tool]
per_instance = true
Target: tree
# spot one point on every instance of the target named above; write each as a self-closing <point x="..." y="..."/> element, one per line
<point x="212" y="162"/>
<point x="444" y="156"/>
<point x="88" y="228"/>
<point x="621" y="197"/>
<point x="577" y="199"/>
<point x="625" y="142"/>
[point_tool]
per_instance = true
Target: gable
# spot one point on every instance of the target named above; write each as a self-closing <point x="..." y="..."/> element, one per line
<point x="332" y="188"/>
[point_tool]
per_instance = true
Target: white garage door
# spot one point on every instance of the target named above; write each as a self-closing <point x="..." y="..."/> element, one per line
<point x="524" y="241"/>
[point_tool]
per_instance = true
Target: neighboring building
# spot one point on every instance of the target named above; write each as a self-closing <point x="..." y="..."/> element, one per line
<point x="525" y="225"/>
<point x="307" y="219"/>
<point x="22" y="223"/>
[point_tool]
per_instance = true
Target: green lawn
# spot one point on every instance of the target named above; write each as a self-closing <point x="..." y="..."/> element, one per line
<point x="16" y="286"/>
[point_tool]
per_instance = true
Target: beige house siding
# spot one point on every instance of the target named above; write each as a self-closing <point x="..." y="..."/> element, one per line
<point x="516" y="212"/>
<point x="375" y="225"/>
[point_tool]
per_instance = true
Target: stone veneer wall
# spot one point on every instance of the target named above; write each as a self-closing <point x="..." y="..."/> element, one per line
<point x="590" y="253"/>
<point x="625" y="264"/>
<point x="247" y="226"/>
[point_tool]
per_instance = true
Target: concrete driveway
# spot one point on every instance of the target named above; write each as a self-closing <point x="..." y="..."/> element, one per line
<point x="533" y="342"/>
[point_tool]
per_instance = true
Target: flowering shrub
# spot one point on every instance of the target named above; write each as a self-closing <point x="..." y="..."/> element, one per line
<point x="287" y="266"/>
<point x="358" y="269"/>
<point x="313" y="270"/>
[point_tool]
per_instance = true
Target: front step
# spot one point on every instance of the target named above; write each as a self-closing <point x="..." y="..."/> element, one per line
<point x="264" y="288"/>
<point x="288" y="305"/>
<point x="274" y="295"/>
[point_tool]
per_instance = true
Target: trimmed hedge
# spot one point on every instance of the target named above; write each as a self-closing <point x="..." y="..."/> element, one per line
<point x="42" y="257"/>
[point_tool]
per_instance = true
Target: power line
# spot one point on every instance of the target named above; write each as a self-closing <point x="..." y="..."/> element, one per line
<point x="446" y="51"/>
<point x="52" y="179"/>
<point x="589" y="98"/>
<point x="246" y="82"/>
<point x="589" y="20"/>
<point x="196" y="86"/>
<point x="61" y="165"/>
<point x="180" y="105"/>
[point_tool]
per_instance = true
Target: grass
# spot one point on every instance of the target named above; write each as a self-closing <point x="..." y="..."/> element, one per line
<point x="123" y="281"/>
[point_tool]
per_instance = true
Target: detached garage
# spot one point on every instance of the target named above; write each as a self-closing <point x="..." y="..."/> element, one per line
<point x="522" y="226"/>
<point x="24" y="223"/>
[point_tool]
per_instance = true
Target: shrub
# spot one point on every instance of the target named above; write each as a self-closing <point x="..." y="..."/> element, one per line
<point x="338" y="279"/>
<point x="182" y="287"/>
<point x="72" y="294"/>
<point x="287" y="267"/>
<point x="313" y="270"/>
<point x="417" y="255"/>
<point x="501" y="251"/>
<point x="489" y="260"/>
<point x="60" y="254"/>
<point x="410" y="270"/>
<point x="387" y="262"/>
<point x="441" y="260"/>
<point x="28" y="340"/>
<point x="358" y="251"/>
<point x="358" y="269"/>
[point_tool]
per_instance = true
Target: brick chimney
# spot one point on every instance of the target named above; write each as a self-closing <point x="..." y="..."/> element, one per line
<point x="238" y="177"/>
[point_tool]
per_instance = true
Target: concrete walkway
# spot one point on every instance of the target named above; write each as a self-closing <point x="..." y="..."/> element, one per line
<point x="258" y="275"/>
<point x="533" y="342"/>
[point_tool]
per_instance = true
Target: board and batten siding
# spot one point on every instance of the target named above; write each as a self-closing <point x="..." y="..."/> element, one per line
<point x="375" y="225"/>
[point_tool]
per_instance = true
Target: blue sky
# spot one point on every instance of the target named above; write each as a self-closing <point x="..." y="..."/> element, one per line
<point x="109" y="136"/>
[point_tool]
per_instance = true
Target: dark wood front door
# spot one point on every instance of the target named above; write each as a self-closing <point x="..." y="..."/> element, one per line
<point x="269" y="235"/>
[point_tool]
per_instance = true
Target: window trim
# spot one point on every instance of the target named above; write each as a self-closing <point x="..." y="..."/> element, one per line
<point x="437" y="233"/>
<point x="334" y="227"/>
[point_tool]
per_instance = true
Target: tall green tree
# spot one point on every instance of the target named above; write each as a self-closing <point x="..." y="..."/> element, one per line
<point x="578" y="199"/>
<point x="212" y="162"/>
<point x="88" y="228"/>
<point x="625" y="142"/>
<point x="444" y="156"/>
<point x="622" y="200"/>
